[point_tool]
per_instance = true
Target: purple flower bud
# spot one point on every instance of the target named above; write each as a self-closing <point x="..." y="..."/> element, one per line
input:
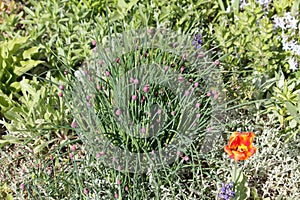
<point x="135" y="81"/>
<point x="66" y="72"/>
<point x="73" y="124"/>
<point x="119" y="168"/>
<point x="85" y="191"/>
<point x="181" y="69"/>
<point x="118" y="60"/>
<point x="73" y="148"/>
<point x="118" y="112"/>
<point x="146" y="88"/>
<point x="185" y="158"/>
<point x="133" y="97"/>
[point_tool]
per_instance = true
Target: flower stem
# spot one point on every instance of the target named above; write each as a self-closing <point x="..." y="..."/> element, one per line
<point x="235" y="169"/>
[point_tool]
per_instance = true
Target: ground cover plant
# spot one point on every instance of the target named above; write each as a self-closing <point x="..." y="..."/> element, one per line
<point x="149" y="99"/>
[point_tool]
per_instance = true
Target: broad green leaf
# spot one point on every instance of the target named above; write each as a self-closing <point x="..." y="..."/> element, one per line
<point x="15" y="43"/>
<point x="29" y="52"/>
<point x="4" y="100"/>
<point x="16" y="86"/>
<point x="8" y="139"/>
<point x="26" y="66"/>
<point x="13" y="114"/>
<point x="25" y="87"/>
<point x="293" y="110"/>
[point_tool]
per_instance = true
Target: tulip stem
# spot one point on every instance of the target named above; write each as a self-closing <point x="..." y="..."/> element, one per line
<point x="234" y="174"/>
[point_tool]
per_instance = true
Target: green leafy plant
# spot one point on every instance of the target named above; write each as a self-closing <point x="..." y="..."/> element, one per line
<point x="16" y="58"/>
<point x="283" y="102"/>
<point x="38" y="118"/>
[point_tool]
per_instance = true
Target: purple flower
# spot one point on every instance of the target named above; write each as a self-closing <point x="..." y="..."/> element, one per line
<point x="197" y="42"/>
<point x="227" y="191"/>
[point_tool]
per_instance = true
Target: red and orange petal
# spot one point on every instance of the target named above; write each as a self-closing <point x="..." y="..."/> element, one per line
<point x="247" y="138"/>
<point x="228" y="151"/>
<point x="251" y="151"/>
<point x="239" y="155"/>
<point x="237" y="139"/>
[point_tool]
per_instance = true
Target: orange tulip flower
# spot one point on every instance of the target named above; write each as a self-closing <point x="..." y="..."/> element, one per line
<point x="240" y="146"/>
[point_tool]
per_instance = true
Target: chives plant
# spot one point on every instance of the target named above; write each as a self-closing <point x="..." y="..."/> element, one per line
<point x="145" y="96"/>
